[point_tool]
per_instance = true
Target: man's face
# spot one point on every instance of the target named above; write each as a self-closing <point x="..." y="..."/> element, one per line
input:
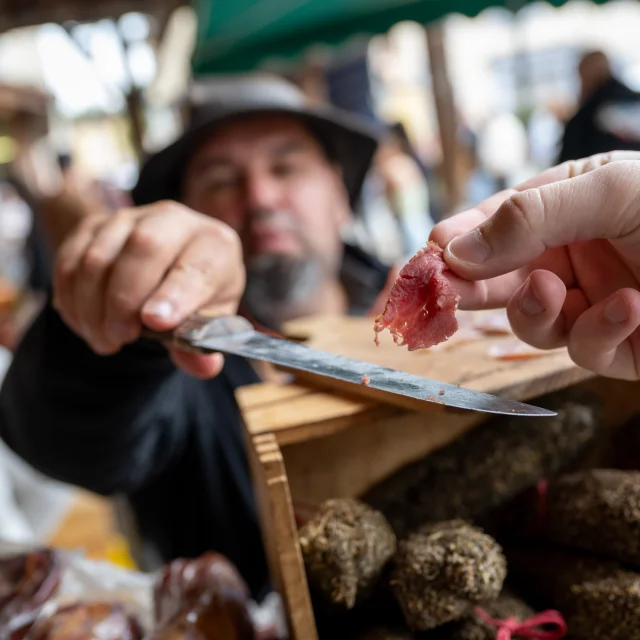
<point x="269" y="179"/>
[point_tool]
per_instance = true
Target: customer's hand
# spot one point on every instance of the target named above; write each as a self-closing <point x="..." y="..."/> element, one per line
<point x="562" y="253"/>
<point x="151" y="266"/>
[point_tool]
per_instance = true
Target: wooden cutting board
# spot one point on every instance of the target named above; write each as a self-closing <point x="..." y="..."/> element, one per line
<point x="464" y="360"/>
<point x="310" y="409"/>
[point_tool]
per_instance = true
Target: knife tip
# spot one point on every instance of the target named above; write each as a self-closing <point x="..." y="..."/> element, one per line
<point x="537" y="412"/>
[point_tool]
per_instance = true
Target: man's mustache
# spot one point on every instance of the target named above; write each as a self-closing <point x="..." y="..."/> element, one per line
<point x="277" y="218"/>
<point x="279" y="285"/>
<point x="280" y="278"/>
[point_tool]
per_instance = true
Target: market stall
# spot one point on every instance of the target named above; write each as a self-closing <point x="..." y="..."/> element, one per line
<point x="309" y="445"/>
<point x="365" y="499"/>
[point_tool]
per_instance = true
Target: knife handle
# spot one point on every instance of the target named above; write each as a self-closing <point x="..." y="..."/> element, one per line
<point x="199" y="327"/>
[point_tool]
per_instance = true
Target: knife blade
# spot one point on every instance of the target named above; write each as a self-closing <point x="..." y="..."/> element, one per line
<point x="236" y="335"/>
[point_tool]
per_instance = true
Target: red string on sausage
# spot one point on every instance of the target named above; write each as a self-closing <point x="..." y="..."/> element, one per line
<point x="528" y="628"/>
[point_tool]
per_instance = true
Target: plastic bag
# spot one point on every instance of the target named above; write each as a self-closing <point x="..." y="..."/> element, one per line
<point x="76" y="598"/>
<point x="42" y="588"/>
<point x="27" y="582"/>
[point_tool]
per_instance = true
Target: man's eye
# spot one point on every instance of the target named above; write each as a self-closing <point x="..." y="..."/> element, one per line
<point x="283" y="170"/>
<point x="221" y="183"/>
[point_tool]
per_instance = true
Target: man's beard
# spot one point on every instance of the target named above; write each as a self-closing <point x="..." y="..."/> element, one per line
<point x="282" y="287"/>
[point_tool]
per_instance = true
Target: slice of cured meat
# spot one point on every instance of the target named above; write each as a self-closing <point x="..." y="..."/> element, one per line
<point x="206" y="623"/>
<point x="420" y="311"/>
<point x="493" y="323"/>
<point x="202" y="598"/>
<point x="88" y="621"/>
<point x="516" y="349"/>
<point x="27" y="581"/>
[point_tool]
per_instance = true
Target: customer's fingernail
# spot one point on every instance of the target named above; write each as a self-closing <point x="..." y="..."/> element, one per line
<point x="617" y="311"/>
<point x="161" y="309"/>
<point x="529" y="302"/>
<point x="470" y="247"/>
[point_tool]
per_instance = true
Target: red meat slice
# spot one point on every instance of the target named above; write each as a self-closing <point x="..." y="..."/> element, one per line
<point x="420" y="310"/>
<point x="88" y="621"/>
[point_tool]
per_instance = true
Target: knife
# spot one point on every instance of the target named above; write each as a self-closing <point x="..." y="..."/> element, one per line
<point x="235" y="335"/>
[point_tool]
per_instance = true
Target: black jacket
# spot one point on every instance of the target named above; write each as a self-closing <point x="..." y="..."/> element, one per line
<point x="594" y="128"/>
<point x="133" y="424"/>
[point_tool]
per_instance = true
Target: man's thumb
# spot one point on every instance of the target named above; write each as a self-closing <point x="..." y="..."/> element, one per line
<point x="600" y="204"/>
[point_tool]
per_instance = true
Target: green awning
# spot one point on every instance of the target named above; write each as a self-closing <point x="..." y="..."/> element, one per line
<point x="237" y="35"/>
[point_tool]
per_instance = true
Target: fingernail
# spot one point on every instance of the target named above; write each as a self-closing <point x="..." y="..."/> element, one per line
<point x="529" y="302"/>
<point x="617" y="311"/>
<point x="470" y="247"/>
<point x="162" y="309"/>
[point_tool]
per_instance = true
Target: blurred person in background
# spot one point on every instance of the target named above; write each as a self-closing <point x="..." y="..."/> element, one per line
<point x="394" y="208"/>
<point x="608" y="116"/>
<point x="248" y="208"/>
<point x="406" y="189"/>
<point x="57" y="195"/>
<point x="54" y="198"/>
<point x="478" y="182"/>
<point x="503" y="149"/>
<point x="544" y="129"/>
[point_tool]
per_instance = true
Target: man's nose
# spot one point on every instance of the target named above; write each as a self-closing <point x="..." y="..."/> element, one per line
<point x="264" y="192"/>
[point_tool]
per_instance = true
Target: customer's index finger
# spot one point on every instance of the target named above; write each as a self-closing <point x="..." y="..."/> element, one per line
<point x="469" y="219"/>
<point x="601" y="204"/>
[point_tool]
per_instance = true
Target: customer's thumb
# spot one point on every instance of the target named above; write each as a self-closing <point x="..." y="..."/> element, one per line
<point x="604" y="203"/>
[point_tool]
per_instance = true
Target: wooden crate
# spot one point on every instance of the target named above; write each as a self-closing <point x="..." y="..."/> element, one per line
<point x="308" y="444"/>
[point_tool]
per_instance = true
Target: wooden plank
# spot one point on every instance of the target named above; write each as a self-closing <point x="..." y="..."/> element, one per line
<point x="280" y="534"/>
<point x="256" y="395"/>
<point x="456" y="362"/>
<point x="349" y="462"/>
<point x="294" y="412"/>
<point x="465" y="363"/>
<point x="445" y="104"/>
<point x="308" y="416"/>
<point x="260" y="485"/>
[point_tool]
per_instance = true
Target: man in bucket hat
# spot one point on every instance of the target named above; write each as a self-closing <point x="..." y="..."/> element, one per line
<point x="261" y="178"/>
<point x="285" y="175"/>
